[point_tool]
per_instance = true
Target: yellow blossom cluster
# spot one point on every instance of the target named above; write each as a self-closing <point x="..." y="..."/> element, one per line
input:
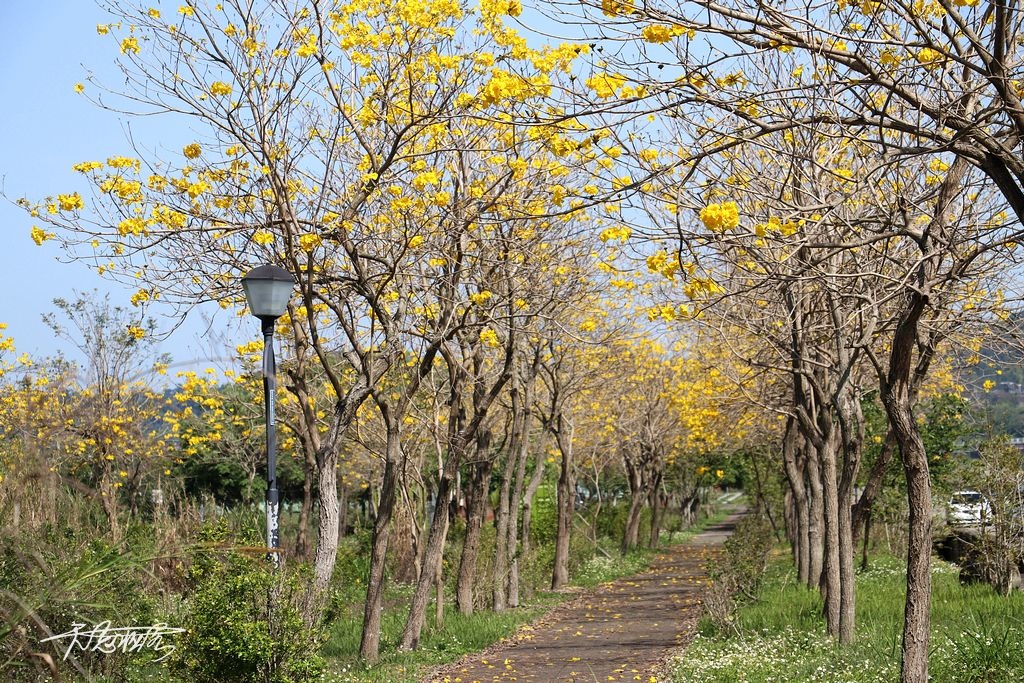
<point x="720" y="217"/>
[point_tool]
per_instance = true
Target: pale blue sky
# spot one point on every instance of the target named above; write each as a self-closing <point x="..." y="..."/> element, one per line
<point x="46" y="46"/>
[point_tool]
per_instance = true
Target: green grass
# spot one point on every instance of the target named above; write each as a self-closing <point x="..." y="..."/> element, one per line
<point x="976" y="635"/>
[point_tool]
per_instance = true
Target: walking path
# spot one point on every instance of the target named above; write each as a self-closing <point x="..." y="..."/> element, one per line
<point x="619" y="631"/>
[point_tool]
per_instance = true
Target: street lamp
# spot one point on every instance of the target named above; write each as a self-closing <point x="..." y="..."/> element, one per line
<point x="267" y="291"/>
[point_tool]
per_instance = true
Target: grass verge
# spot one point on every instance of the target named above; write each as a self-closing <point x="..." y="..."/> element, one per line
<point x="976" y="634"/>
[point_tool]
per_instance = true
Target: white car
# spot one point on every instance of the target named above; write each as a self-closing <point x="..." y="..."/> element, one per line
<point x="968" y="508"/>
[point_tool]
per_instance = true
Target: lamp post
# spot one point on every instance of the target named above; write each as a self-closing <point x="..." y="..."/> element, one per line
<point x="267" y="291"/>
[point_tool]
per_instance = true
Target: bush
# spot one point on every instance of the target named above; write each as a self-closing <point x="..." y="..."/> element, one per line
<point x="740" y="571"/>
<point x="244" y="620"/>
<point x="50" y="580"/>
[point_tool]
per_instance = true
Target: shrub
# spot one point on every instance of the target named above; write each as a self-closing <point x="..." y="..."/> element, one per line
<point x="740" y="571"/>
<point x="244" y="620"/>
<point x="51" y="579"/>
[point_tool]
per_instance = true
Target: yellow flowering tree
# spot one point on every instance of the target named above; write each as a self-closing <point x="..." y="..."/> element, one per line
<point x="369" y="149"/>
<point x="111" y="415"/>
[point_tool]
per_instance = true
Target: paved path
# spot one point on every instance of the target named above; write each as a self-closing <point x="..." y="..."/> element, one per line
<point x="619" y="631"/>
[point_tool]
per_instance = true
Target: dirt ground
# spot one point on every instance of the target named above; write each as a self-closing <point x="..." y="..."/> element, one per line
<point x="619" y="631"/>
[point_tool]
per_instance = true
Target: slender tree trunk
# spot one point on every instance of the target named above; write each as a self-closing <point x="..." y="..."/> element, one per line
<point x="896" y="398"/>
<point x="852" y="423"/>
<point x="531" y="491"/>
<point x="434" y="550"/>
<point x="369" y="646"/>
<point x="476" y="509"/>
<point x="632" y="533"/>
<point x="866" y="539"/>
<point x="343" y="512"/>
<point x="815" y="521"/>
<point x="512" y="532"/>
<point x="917" y="611"/>
<point x="657" y="509"/>
<point x="795" y="474"/>
<point x="566" y="504"/>
<point x="327" y="525"/>
<point x="439" y="579"/>
<point x="897" y="392"/>
<point x="327" y="492"/>
<point x="502" y="522"/>
<point x="302" y="545"/>
<point x="873" y="485"/>
<point x="830" y="490"/>
<point x="405" y="547"/>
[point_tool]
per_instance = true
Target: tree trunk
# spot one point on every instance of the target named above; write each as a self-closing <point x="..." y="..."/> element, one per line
<point x="476" y="509"/>
<point x="434" y="551"/>
<point x="327" y="492"/>
<point x="439" y="580"/>
<point x="917" y="610"/>
<point x="832" y="590"/>
<point x="302" y="545"/>
<point x="852" y="431"/>
<point x="896" y="399"/>
<point x="657" y="508"/>
<point x="798" y="494"/>
<point x="327" y="525"/>
<point x="632" y="533"/>
<point x="502" y="521"/>
<point x="815" y="521"/>
<point x="369" y="645"/>
<point x="566" y="504"/>
<point x="873" y="485"/>
<point x="531" y="491"/>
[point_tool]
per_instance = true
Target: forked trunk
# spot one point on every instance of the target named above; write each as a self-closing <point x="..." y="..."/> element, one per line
<point x="434" y="550"/>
